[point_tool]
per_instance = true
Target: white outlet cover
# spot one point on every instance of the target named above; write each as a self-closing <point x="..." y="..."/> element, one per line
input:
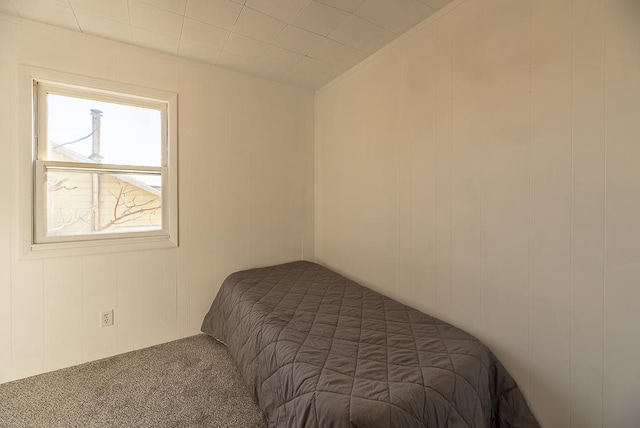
<point x="106" y="319"/>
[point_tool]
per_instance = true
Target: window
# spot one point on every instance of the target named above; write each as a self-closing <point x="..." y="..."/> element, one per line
<point x="103" y="166"/>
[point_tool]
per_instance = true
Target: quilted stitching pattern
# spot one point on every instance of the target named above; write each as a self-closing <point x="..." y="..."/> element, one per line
<point x="318" y="350"/>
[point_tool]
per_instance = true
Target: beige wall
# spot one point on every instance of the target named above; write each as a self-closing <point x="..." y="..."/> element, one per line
<point x="246" y="186"/>
<point x="486" y="169"/>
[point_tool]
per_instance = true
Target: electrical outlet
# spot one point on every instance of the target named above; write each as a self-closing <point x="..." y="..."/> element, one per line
<point x="107" y="318"/>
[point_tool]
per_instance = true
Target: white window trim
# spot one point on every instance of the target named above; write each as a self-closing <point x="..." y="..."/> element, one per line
<point x="30" y="170"/>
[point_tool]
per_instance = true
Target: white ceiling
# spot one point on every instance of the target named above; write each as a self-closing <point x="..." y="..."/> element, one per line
<point x="302" y="42"/>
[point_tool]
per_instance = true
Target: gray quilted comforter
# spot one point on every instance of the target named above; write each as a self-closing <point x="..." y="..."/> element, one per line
<point x="319" y="350"/>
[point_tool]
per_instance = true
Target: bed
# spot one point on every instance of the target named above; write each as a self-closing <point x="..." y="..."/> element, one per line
<point x="319" y="350"/>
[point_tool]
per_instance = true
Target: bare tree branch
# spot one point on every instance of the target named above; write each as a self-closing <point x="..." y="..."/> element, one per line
<point x="59" y="185"/>
<point x="71" y="221"/>
<point x="126" y="208"/>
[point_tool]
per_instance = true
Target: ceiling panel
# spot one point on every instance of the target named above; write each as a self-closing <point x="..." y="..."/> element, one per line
<point x="282" y="58"/>
<point x="284" y="10"/>
<point x="50" y="12"/>
<point x="246" y="47"/>
<point x="153" y="19"/>
<point x="397" y="16"/>
<point x="205" y="34"/>
<point x="300" y="42"/>
<point x="320" y="18"/>
<point x="175" y="6"/>
<point x="346" y="5"/>
<point x="256" y="24"/>
<point x="117" y="10"/>
<point x="220" y="13"/>
<point x="361" y="34"/>
<point x="103" y="27"/>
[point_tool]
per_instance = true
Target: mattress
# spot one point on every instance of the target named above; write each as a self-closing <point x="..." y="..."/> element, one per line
<point x="319" y="350"/>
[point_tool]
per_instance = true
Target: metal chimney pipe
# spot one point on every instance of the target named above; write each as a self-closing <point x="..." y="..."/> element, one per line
<point x="95" y="126"/>
<point x="95" y="178"/>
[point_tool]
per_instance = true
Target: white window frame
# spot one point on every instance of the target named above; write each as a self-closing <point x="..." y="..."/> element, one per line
<point x="35" y="84"/>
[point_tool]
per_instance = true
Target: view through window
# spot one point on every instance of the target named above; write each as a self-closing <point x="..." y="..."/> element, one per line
<point x="102" y="165"/>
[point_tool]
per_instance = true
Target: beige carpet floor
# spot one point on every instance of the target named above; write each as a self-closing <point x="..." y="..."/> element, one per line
<point x="190" y="382"/>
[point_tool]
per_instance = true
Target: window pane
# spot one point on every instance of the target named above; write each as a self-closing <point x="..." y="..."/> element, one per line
<point x="82" y="130"/>
<point x="85" y="203"/>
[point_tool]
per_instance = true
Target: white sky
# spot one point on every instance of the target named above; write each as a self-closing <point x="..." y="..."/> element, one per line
<point x="129" y="135"/>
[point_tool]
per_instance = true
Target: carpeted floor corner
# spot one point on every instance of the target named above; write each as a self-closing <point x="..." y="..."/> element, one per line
<point x="190" y="382"/>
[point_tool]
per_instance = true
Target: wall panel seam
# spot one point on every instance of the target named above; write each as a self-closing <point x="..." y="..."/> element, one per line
<point x="605" y="210"/>
<point x="528" y="363"/>
<point x="571" y="217"/>
<point x="482" y="150"/>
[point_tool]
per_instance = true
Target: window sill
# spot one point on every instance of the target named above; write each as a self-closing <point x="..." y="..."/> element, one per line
<point x="80" y="248"/>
